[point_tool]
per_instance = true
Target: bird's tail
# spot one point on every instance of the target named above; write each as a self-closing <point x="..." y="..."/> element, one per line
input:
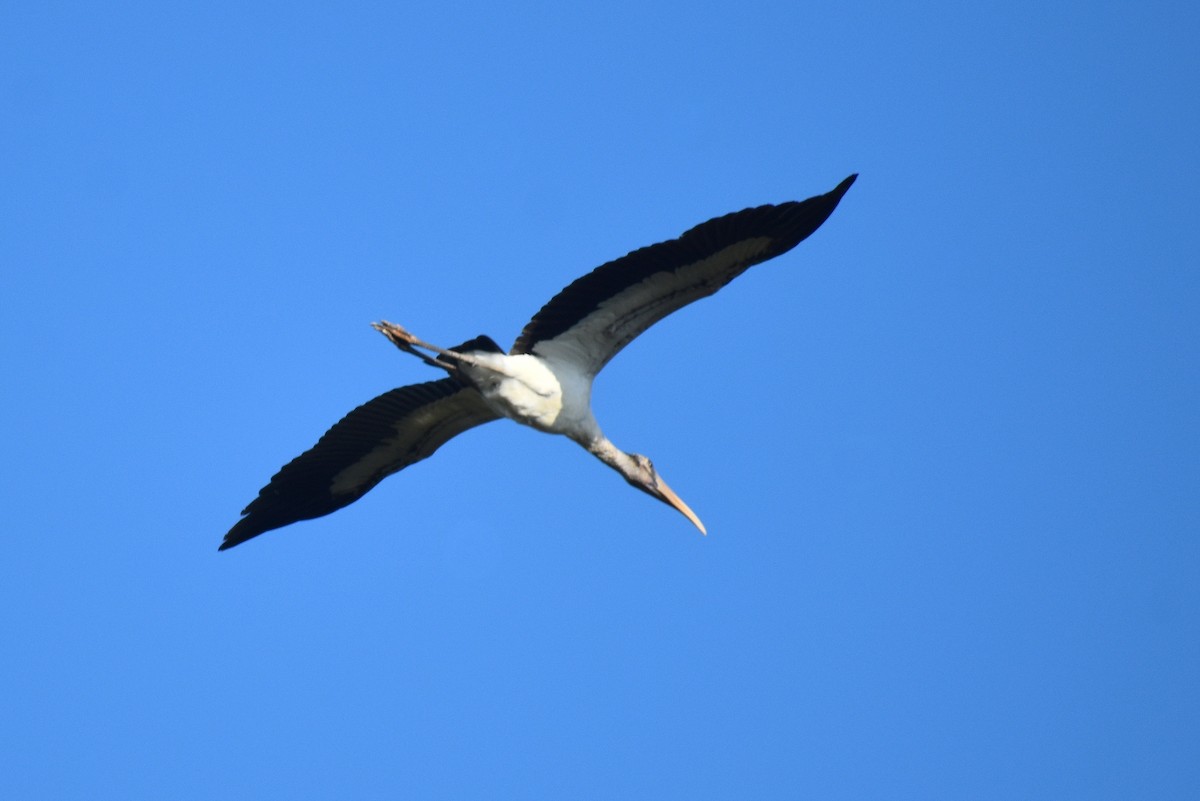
<point x="481" y="343"/>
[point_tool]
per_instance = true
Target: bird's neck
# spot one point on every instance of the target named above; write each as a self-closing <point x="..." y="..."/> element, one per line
<point x="603" y="449"/>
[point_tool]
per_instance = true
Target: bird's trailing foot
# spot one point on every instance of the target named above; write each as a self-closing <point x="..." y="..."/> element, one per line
<point x="399" y="336"/>
<point x="406" y="342"/>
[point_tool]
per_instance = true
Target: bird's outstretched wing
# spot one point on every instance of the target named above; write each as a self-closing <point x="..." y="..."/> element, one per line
<point x="597" y="315"/>
<point x="379" y="438"/>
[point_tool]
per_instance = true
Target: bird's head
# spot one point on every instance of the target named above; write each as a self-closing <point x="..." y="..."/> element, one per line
<point x="647" y="479"/>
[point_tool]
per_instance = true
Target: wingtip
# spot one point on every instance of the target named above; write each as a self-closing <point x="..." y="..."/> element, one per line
<point x="845" y="185"/>
<point x="239" y="534"/>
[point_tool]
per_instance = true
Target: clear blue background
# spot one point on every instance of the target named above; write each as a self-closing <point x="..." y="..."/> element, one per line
<point x="948" y="450"/>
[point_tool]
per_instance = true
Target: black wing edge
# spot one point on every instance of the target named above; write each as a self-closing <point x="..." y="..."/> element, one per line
<point x="788" y="224"/>
<point x="301" y="491"/>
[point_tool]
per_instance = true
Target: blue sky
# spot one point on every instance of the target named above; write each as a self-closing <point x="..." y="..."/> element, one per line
<point x="947" y="450"/>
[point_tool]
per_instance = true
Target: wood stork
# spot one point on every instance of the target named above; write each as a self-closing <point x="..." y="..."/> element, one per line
<point x="545" y="381"/>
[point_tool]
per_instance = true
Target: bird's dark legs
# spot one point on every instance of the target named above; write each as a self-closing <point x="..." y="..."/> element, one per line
<point x="402" y="339"/>
<point x="406" y="342"/>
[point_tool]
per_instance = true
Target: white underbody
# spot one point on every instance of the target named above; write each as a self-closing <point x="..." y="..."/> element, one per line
<point x="541" y="393"/>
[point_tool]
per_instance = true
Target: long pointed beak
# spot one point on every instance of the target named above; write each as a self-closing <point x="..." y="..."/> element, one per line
<point x="667" y="495"/>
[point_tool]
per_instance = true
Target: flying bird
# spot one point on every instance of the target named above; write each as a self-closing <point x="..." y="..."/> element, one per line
<point x="545" y="380"/>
